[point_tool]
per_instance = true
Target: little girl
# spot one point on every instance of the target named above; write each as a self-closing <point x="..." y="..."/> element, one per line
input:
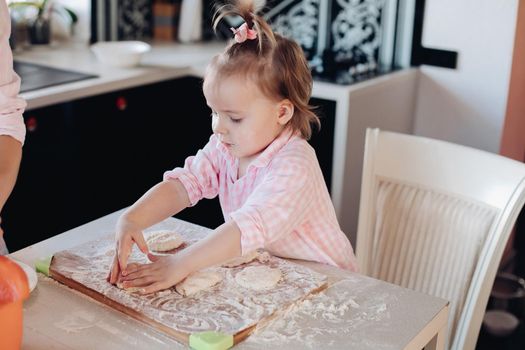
<point x="267" y="176"/>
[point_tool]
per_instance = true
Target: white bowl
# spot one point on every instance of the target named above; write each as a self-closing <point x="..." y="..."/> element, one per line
<point x="499" y="322"/>
<point x="120" y="53"/>
<point x="30" y="272"/>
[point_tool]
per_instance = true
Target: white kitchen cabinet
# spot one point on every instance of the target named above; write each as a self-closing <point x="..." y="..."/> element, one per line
<point x="386" y="102"/>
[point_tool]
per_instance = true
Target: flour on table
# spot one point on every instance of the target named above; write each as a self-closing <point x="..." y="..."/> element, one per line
<point x="261" y="256"/>
<point x="328" y="319"/>
<point x="162" y="241"/>
<point x="225" y="307"/>
<point x="258" y="277"/>
<point x="198" y="281"/>
<point x="76" y="321"/>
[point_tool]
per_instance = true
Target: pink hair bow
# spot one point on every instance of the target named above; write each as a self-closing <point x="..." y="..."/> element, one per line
<point x="244" y="33"/>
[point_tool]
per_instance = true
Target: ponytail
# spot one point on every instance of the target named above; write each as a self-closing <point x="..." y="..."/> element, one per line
<point x="248" y="12"/>
<point x="276" y="64"/>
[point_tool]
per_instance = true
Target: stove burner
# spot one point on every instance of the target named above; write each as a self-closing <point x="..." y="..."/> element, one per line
<point x="36" y="77"/>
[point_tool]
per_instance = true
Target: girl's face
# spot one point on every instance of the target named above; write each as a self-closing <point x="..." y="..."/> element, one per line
<point x="243" y="118"/>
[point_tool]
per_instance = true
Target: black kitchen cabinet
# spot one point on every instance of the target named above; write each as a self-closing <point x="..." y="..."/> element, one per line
<point x="145" y="131"/>
<point x="37" y="207"/>
<point x="89" y="157"/>
<point x="323" y="139"/>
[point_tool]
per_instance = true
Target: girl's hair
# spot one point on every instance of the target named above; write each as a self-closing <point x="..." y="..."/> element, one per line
<point x="276" y="64"/>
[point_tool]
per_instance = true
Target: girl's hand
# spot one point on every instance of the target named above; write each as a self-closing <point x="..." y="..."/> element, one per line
<point x="126" y="235"/>
<point x="162" y="273"/>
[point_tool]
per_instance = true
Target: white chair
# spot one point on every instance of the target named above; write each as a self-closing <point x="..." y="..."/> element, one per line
<point x="435" y="217"/>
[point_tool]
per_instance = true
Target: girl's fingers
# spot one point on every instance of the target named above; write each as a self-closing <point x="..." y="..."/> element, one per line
<point x="133" y="266"/>
<point x="154" y="287"/>
<point x="126" y="244"/>
<point x="153" y="257"/>
<point x="132" y="272"/>
<point x="141" y="243"/>
<point x="150" y="277"/>
<point x="135" y="270"/>
<point x="114" y="271"/>
<point x="124" y="249"/>
<point x="139" y="282"/>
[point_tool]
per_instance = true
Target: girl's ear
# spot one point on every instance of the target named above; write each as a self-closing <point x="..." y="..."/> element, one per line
<point x="286" y="109"/>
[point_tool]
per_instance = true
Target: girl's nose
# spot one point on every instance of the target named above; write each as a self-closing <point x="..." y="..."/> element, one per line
<point x="217" y="125"/>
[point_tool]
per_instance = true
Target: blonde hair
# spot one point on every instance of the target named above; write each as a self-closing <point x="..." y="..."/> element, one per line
<point x="276" y="64"/>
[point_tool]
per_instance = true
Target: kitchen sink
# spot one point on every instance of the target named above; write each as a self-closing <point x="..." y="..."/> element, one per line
<point x="35" y="76"/>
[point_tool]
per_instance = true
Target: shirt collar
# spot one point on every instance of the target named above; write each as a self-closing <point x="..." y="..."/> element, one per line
<point x="272" y="149"/>
<point x="221" y="148"/>
<point x="269" y="152"/>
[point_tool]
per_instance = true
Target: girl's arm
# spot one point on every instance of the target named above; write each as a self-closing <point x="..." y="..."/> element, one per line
<point x="181" y="188"/>
<point x="163" y="200"/>
<point x="223" y="244"/>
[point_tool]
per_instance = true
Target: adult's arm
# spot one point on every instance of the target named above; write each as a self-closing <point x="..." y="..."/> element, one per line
<point x="12" y="128"/>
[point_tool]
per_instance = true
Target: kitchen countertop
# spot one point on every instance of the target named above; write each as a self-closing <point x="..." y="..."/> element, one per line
<point x="355" y="312"/>
<point x="165" y="61"/>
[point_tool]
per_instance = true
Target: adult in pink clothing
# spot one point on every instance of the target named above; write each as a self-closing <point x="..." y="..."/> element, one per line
<point x="12" y="129"/>
<point x="258" y="162"/>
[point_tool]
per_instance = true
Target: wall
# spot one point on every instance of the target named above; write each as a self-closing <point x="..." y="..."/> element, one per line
<point x="513" y="139"/>
<point x="467" y="105"/>
<point x="82" y="9"/>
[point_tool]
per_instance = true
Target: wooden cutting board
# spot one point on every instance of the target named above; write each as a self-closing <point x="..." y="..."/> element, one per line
<point x="226" y="307"/>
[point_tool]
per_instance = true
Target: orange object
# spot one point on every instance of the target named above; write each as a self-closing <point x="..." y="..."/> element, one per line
<point x="14" y="289"/>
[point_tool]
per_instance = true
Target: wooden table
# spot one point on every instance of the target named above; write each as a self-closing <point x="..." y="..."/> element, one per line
<point x="355" y="312"/>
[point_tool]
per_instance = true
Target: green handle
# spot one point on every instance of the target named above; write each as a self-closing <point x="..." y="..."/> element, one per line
<point x="211" y="341"/>
<point x="42" y="265"/>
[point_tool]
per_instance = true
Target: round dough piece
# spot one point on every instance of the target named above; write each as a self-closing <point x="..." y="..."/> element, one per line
<point x="258" y="277"/>
<point x="198" y="281"/>
<point x="163" y="241"/>
<point x="261" y="256"/>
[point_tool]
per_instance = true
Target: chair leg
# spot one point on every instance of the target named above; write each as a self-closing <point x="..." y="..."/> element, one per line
<point x="438" y="342"/>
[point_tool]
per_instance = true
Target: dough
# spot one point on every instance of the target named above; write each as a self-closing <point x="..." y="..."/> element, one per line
<point x="263" y="257"/>
<point x="120" y="284"/>
<point x="258" y="277"/>
<point x="130" y="289"/>
<point x="198" y="281"/>
<point x="162" y="241"/>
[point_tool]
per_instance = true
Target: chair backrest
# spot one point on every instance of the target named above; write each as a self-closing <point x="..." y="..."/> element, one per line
<point x="435" y="217"/>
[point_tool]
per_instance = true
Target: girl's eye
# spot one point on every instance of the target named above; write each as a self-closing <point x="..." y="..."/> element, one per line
<point x="216" y="115"/>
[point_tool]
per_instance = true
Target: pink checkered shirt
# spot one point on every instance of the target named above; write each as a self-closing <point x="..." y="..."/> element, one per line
<point x="11" y="106"/>
<point x="280" y="204"/>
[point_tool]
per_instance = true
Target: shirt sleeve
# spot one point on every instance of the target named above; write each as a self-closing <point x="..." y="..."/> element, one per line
<point x="278" y="205"/>
<point x="200" y="174"/>
<point x="11" y="105"/>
